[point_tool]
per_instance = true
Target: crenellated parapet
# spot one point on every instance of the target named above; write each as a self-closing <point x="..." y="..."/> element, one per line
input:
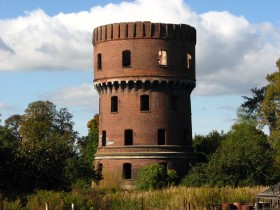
<point x="155" y="84"/>
<point x="134" y="30"/>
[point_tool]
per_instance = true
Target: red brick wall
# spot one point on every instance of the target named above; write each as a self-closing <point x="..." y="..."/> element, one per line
<point x="144" y="40"/>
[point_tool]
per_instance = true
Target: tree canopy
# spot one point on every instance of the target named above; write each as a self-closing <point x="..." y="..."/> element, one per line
<point x="42" y="148"/>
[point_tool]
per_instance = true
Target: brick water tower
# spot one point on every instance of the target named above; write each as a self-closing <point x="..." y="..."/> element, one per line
<point x="144" y="73"/>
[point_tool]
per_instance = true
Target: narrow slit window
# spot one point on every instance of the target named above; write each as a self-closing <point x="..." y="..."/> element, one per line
<point x="173" y="103"/>
<point x="114" y="104"/>
<point x="144" y="103"/>
<point x="99" y="61"/>
<point x="161" y="136"/>
<point x="127" y="170"/>
<point x="103" y="138"/>
<point x="189" y="60"/>
<point x="162" y="58"/>
<point x="128" y="137"/>
<point x="126" y="58"/>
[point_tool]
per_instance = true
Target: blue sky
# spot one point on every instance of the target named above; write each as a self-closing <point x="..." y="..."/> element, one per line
<point x="46" y="52"/>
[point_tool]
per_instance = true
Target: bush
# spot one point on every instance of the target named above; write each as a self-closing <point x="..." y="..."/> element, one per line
<point x="155" y="176"/>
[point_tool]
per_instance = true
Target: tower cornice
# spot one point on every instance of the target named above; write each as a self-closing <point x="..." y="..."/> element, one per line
<point x="141" y="30"/>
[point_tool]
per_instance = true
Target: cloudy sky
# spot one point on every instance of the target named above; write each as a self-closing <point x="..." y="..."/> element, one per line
<point x="46" y="52"/>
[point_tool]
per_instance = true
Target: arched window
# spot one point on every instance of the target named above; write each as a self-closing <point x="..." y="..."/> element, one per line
<point x="126" y="59"/>
<point x="127" y="170"/>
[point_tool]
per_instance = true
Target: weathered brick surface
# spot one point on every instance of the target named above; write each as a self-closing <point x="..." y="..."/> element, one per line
<point x="144" y="77"/>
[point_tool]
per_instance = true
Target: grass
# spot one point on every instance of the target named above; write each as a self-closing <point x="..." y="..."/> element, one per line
<point x="202" y="198"/>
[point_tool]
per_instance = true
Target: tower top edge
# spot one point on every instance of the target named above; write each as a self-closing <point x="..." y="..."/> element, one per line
<point x="142" y="30"/>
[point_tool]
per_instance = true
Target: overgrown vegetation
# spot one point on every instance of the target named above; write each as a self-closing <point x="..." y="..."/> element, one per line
<point x="155" y="176"/>
<point x="173" y="198"/>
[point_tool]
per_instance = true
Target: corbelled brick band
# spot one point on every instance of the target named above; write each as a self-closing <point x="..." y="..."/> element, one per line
<point x="131" y="134"/>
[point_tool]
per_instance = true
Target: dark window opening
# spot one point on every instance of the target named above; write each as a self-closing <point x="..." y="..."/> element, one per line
<point x="128" y="137"/>
<point x="100" y="167"/>
<point x="114" y="104"/>
<point x="126" y="59"/>
<point x="161" y="136"/>
<point x="162" y="58"/>
<point x="173" y="103"/>
<point x="127" y="170"/>
<point x="103" y="138"/>
<point x="99" y="61"/>
<point x="189" y="60"/>
<point x="144" y="103"/>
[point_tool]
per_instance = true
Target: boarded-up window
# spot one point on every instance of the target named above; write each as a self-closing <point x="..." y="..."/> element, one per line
<point x="144" y="103"/>
<point x="162" y="58"/>
<point x="127" y="170"/>
<point x="126" y="59"/>
<point x="114" y="104"/>
<point x="128" y="137"/>
<point x="99" y="61"/>
<point x="161" y="136"/>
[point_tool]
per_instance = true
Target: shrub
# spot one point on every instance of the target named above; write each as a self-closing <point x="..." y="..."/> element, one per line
<point x="155" y="176"/>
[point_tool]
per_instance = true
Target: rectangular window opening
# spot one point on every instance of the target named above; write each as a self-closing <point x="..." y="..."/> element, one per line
<point x="99" y="61"/>
<point x="114" y="104"/>
<point x="144" y="103"/>
<point x="161" y="136"/>
<point x="189" y="60"/>
<point x="127" y="170"/>
<point x="126" y="58"/>
<point x="103" y="138"/>
<point x="173" y="103"/>
<point x="128" y="137"/>
<point x="162" y="58"/>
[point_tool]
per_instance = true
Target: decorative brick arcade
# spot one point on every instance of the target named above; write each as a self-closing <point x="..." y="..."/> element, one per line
<point x="144" y="73"/>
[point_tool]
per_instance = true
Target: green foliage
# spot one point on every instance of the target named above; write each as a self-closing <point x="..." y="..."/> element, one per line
<point x="9" y="169"/>
<point x="169" y="198"/>
<point x="92" y="139"/>
<point x="252" y="105"/>
<point x="204" y="146"/>
<point x="243" y="158"/>
<point x="155" y="176"/>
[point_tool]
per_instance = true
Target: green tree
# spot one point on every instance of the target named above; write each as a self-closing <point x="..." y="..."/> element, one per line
<point x="92" y="139"/>
<point x="81" y="167"/>
<point x="243" y="158"/>
<point x="205" y="146"/>
<point x="47" y="143"/>
<point x="271" y="110"/>
<point x="8" y="164"/>
<point x="155" y="176"/>
<point x="252" y="105"/>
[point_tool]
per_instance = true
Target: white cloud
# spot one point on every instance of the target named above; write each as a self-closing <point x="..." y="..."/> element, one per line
<point x="84" y="97"/>
<point x="232" y="56"/>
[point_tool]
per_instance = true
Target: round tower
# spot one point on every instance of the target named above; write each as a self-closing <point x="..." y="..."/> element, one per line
<point x="144" y="73"/>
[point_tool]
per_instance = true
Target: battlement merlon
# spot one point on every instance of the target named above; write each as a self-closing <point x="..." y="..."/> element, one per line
<point x="142" y="30"/>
